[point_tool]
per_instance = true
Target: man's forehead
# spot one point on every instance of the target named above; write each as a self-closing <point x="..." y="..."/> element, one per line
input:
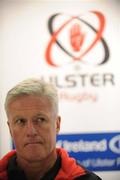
<point x="30" y="101"/>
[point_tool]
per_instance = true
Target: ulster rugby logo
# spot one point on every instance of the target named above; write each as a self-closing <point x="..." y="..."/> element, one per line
<point x="77" y="38"/>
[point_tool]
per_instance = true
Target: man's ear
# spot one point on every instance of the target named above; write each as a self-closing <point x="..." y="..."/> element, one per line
<point x="58" y="122"/>
<point x="9" y="127"/>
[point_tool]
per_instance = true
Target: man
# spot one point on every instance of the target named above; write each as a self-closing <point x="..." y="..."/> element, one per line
<point x="32" y="112"/>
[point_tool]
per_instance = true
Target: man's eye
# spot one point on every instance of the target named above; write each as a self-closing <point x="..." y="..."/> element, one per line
<point x="40" y="119"/>
<point x="20" y="121"/>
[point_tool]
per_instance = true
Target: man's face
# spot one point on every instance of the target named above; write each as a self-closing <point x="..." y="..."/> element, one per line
<point x="33" y="125"/>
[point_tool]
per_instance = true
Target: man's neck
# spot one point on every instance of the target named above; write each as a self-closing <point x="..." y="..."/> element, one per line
<point x="37" y="169"/>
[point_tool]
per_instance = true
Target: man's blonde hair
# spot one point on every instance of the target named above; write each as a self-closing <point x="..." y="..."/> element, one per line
<point x="36" y="87"/>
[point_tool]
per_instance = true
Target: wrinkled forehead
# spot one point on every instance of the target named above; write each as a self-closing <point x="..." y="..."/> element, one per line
<point x="30" y="100"/>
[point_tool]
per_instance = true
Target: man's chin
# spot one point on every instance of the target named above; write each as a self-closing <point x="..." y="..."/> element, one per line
<point x="34" y="157"/>
<point x="34" y="154"/>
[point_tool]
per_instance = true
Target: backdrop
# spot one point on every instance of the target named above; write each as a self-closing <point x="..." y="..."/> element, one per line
<point x="74" y="45"/>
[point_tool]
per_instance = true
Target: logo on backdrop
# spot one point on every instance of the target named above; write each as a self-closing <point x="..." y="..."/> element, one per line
<point x="76" y="42"/>
<point x="77" y="38"/>
<point x="115" y="144"/>
<point x="95" y="151"/>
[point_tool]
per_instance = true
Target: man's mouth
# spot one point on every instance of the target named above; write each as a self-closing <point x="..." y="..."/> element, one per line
<point x="33" y="143"/>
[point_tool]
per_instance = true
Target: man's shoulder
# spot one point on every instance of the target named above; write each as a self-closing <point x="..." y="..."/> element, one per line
<point x="88" y="176"/>
<point x="5" y="159"/>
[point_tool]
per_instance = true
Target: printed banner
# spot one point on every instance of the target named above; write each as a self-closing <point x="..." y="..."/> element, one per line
<point x="97" y="151"/>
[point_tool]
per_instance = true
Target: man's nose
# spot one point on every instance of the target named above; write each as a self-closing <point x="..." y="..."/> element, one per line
<point x="31" y="129"/>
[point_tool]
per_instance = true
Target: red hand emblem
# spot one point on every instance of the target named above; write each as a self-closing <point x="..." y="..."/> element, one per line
<point x="76" y="37"/>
